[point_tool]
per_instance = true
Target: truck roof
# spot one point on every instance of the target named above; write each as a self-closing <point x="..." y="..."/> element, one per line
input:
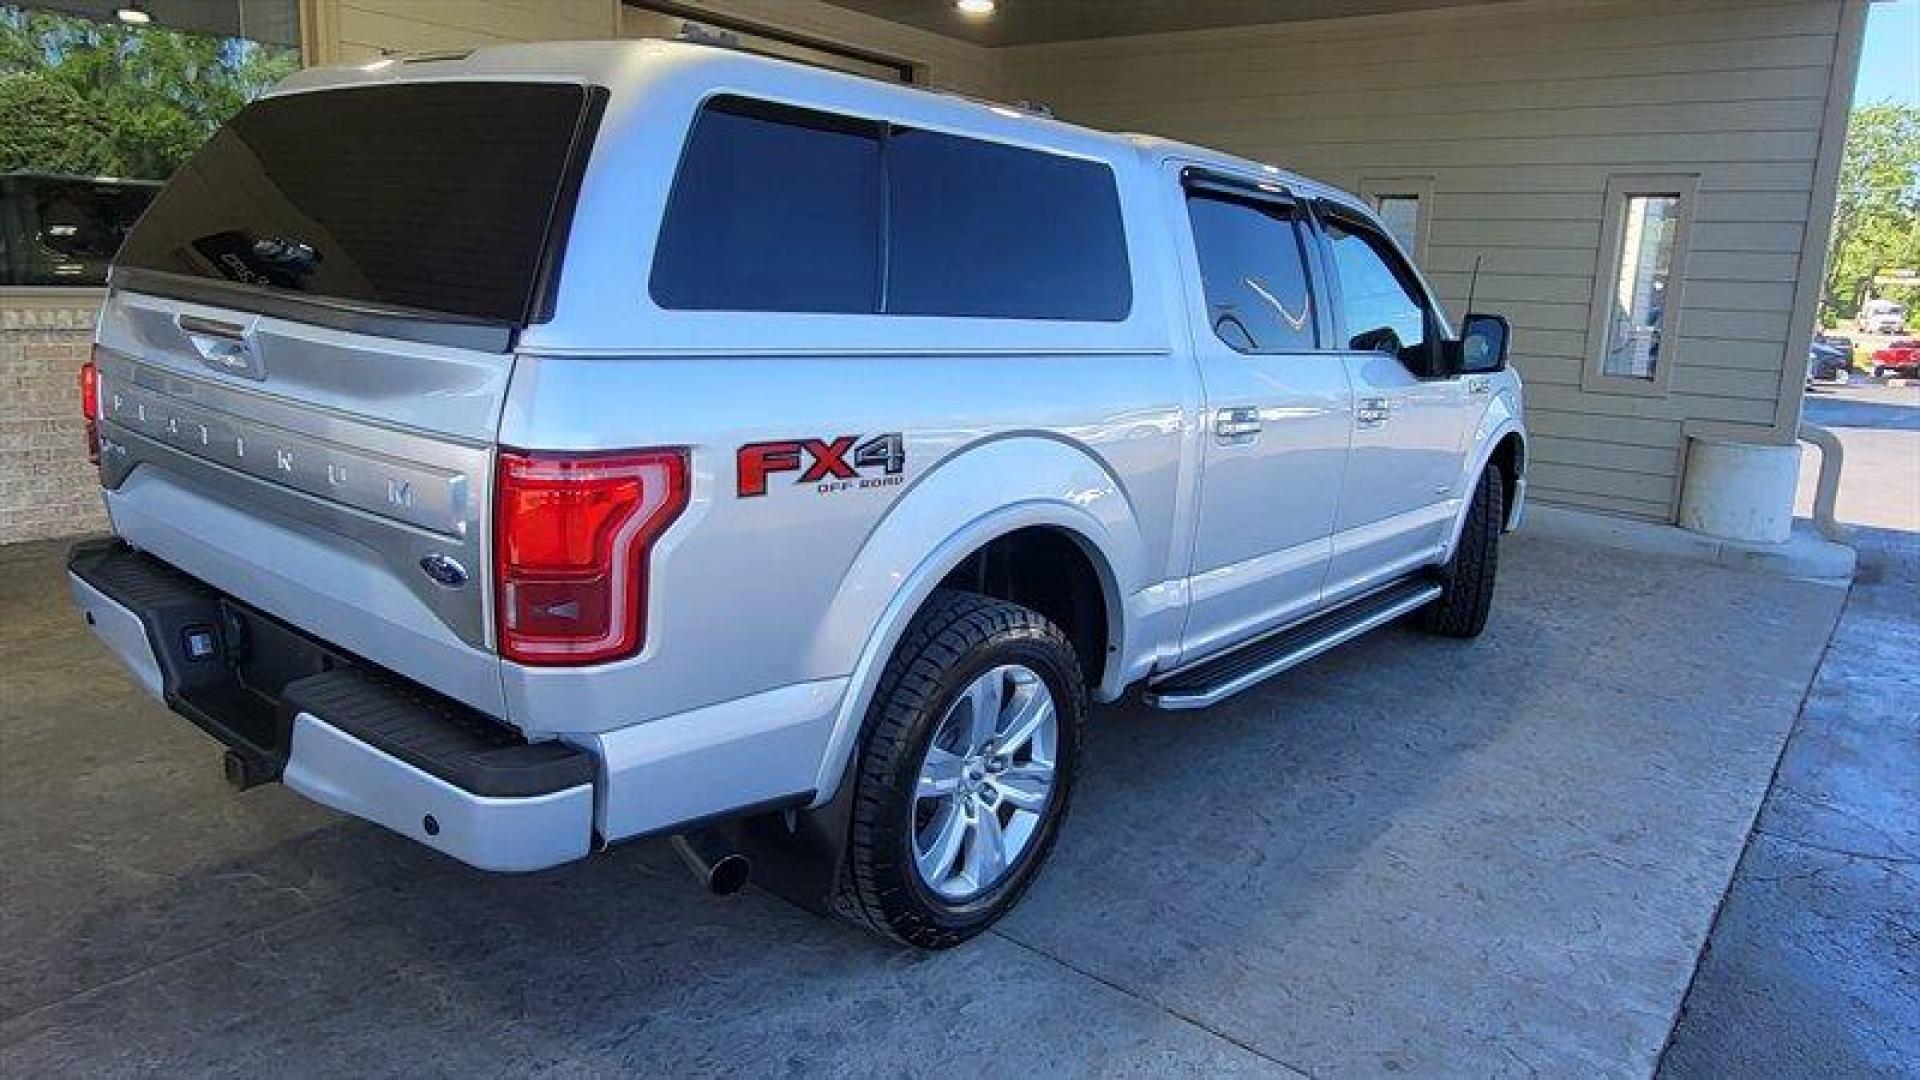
<point x="642" y="64"/>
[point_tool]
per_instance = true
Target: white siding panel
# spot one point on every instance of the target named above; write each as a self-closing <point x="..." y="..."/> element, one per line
<point x="1662" y="461"/>
<point x="1725" y="382"/>
<point x="1776" y="236"/>
<point x="1761" y="327"/>
<point x="1716" y="353"/>
<point x="1483" y="232"/>
<point x="1530" y="262"/>
<point x="1743" y="266"/>
<point x="1624" y="431"/>
<point x="1514" y="288"/>
<point x="1763" y="298"/>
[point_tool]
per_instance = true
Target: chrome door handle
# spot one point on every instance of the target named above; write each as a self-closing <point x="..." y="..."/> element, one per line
<point x="1480" y="385"/>
<point x="1372" y="412"/>
<point x="1237" y="425"/>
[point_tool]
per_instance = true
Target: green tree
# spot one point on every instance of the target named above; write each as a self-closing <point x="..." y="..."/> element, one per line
<point x="1876" y="221"/>
<point x="157" y="94"/>
<point x="47" y="126"/>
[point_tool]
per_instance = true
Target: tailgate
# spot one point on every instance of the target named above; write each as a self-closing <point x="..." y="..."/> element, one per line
<point x="345" y="491"/>
<point x="306" y="350"/>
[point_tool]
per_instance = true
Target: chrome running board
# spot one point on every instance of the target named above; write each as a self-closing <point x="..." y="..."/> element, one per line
<point x="1225" y="674"/>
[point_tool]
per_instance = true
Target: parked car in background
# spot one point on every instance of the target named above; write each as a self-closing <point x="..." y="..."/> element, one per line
<point x="1881" y="317"/>
<point x="1900" y="358"/>
<point x="63" y="230"/>
<point x="1828" y="363"/>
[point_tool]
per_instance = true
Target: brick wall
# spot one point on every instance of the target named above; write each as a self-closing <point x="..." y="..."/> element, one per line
<point x="47" y="488"/>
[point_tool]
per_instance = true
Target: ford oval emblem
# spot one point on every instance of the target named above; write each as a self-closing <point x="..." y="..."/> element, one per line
<point x="444" y="570"/>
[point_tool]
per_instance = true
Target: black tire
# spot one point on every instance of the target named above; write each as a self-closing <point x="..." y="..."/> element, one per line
<point x="956" y="637"/>
<point x="1466" y="580"/>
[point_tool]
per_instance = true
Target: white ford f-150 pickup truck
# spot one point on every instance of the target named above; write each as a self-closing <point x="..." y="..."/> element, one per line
<point x="551" y="445"/>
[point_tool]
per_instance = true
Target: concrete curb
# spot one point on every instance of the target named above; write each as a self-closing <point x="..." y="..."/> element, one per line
<point x="1806" y="555"/>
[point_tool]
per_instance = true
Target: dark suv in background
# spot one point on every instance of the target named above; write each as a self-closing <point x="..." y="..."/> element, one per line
<point x="63" y="230"/>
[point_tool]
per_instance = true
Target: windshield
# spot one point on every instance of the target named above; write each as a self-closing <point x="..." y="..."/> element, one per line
<point x="429" y="196"/>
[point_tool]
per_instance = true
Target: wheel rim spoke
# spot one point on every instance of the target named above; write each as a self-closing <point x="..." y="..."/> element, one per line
<point x="1033" y="707"/>
<point x="986" y="850"/>
<point x="950" y="829"/>
<point x="984" y="698"/>
<point x="1026" y="787"/>
<point x="940" y="774"/>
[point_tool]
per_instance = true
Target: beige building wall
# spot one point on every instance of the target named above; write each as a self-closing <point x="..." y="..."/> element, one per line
<point x="1517" y="115"/>
<point x="941" y="61"/>
<point x="343" y="31"/>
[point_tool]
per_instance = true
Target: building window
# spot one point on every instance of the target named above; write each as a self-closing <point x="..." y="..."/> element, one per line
<point x="1405" y="205"/>
<point x="1401" y="215"/>
<point x="1642" y="267"/>
<point x="96" y="113"/>
<point x="1638" y="285"/>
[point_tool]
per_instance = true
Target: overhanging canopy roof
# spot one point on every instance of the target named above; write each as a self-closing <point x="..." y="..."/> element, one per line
<point x="1028" y="22"/>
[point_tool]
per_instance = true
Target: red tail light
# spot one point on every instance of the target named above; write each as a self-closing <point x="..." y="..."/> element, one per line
<point x="90" y="406"/>
<point x="573" y="534"/>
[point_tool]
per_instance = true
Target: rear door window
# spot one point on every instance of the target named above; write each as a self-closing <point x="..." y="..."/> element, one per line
<point x="781" y="209"/>
<point x="436" y="197"/>
<point x="1253" y="267"/>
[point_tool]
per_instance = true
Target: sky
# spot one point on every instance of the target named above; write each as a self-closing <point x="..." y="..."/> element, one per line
<point x="1890" y="63"/>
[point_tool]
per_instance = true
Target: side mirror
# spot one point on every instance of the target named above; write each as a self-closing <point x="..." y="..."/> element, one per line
<point x="1482" y="348"/>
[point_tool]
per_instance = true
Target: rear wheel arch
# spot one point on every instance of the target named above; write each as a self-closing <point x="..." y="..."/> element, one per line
<point x="1056" y="572"/>
<point x="971" y="502"/>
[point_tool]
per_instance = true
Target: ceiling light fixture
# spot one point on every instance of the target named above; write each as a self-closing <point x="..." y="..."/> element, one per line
<point x="978" y="9"/>
<point x="133" y="14"/>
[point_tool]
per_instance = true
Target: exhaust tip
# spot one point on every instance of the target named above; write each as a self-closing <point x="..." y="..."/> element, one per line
<point x="729" y="875"/>
<point x="715" y="863"/>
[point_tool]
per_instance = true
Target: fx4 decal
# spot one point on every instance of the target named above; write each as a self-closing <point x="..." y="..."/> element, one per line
<point x="841" y="464"/>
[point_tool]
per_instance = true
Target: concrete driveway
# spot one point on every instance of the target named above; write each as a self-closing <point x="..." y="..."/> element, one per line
<point x="1813" y="968"/>
<point x="1411" y="857"/>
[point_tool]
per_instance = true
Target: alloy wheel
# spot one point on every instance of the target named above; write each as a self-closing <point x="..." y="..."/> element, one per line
<point x="985" y="783"/>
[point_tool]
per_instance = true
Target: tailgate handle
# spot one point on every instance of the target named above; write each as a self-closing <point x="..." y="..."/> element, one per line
<point x="194" y="324"/>
<point x="222" y="346"/>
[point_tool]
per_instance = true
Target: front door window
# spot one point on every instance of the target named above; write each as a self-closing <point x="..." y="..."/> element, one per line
<point x="1381" y="308"/>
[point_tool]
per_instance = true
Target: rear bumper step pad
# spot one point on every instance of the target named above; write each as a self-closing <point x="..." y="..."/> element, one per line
<point x="338" y="731"/>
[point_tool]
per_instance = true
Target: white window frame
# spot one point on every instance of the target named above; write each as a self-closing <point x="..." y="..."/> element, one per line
<point x="1375" y="188"/>
<point x="1684" y="187"/>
